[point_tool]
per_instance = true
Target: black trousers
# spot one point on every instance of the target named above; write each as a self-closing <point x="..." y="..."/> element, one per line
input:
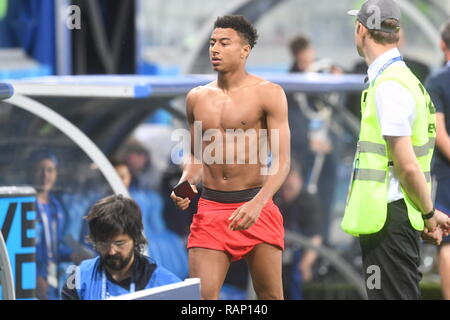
<point x="391" y="258"/>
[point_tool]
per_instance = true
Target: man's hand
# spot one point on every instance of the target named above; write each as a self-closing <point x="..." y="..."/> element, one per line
<point x="434" y="237"/>
<point x="440" y="220"/>
<point x="443" y="221"/>
<point x="431" y="224"/>
<point x="181" y="203"/>
<point x="245" y="216"/>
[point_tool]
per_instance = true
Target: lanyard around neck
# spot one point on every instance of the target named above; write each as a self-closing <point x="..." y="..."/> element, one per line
<point x="50" y="228"/>
<point x="105" y="292"/>
<point x="391" y="61"/>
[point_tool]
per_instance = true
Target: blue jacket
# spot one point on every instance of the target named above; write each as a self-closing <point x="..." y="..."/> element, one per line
<point x="89" y="278"/>
<point x="437" y="86"/>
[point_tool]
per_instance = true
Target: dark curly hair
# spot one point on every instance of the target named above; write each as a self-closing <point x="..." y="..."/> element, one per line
<point x="115" y="215"/>
<point x="241" y="25"/>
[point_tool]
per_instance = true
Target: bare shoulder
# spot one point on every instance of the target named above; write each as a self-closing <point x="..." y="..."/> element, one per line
<point x="200" y="91"/>
<point x="268" y="89"/>
<point x="194" y="93"/>
<point x="272" y="95"/>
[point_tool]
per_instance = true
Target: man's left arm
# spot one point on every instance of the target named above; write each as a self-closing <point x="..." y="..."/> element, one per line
<point x="279" y="139"/>
<point x="413" y="181"/>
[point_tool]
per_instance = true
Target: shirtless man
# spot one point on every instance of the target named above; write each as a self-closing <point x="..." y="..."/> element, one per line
<point x="236" y="217"/>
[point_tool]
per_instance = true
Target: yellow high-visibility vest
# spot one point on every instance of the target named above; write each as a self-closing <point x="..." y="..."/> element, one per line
<point x="366" y="208"/>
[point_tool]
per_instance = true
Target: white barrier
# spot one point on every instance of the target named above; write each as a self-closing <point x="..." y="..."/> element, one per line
<point x="189" y="289"/>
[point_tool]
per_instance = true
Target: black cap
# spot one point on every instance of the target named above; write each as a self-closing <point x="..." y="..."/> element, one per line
<point x="374" y="12"/>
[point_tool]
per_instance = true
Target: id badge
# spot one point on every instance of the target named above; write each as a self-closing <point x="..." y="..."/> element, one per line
<point x="52" y="274"/>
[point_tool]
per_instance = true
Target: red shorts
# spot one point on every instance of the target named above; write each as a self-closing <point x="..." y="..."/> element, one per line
<point x="209" y="229"/>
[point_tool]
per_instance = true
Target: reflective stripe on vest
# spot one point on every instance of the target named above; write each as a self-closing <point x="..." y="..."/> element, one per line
<point x="425" y="149"/>
<point x="378" y="175"/>
<point x="370" y="175"/>
<point x="372" y="147"/>
<point x="378" y="148"/>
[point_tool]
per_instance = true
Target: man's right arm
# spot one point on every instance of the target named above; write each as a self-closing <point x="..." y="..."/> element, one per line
<point x="409" y="173"/>
<point x="193" y="168"/>
<point x="396" y="111"/>
<point x="413" y="180"/>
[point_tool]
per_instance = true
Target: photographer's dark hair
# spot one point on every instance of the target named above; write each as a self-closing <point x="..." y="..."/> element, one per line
<point x="115" y="215"/>
<point x="241" y="25"/>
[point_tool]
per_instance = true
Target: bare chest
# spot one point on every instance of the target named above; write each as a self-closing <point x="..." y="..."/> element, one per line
<point x="225" y="112"/>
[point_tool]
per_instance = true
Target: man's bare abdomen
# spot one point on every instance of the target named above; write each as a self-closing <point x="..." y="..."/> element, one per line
<point x="232" y="177"/>
<point x="239" y="122"/>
